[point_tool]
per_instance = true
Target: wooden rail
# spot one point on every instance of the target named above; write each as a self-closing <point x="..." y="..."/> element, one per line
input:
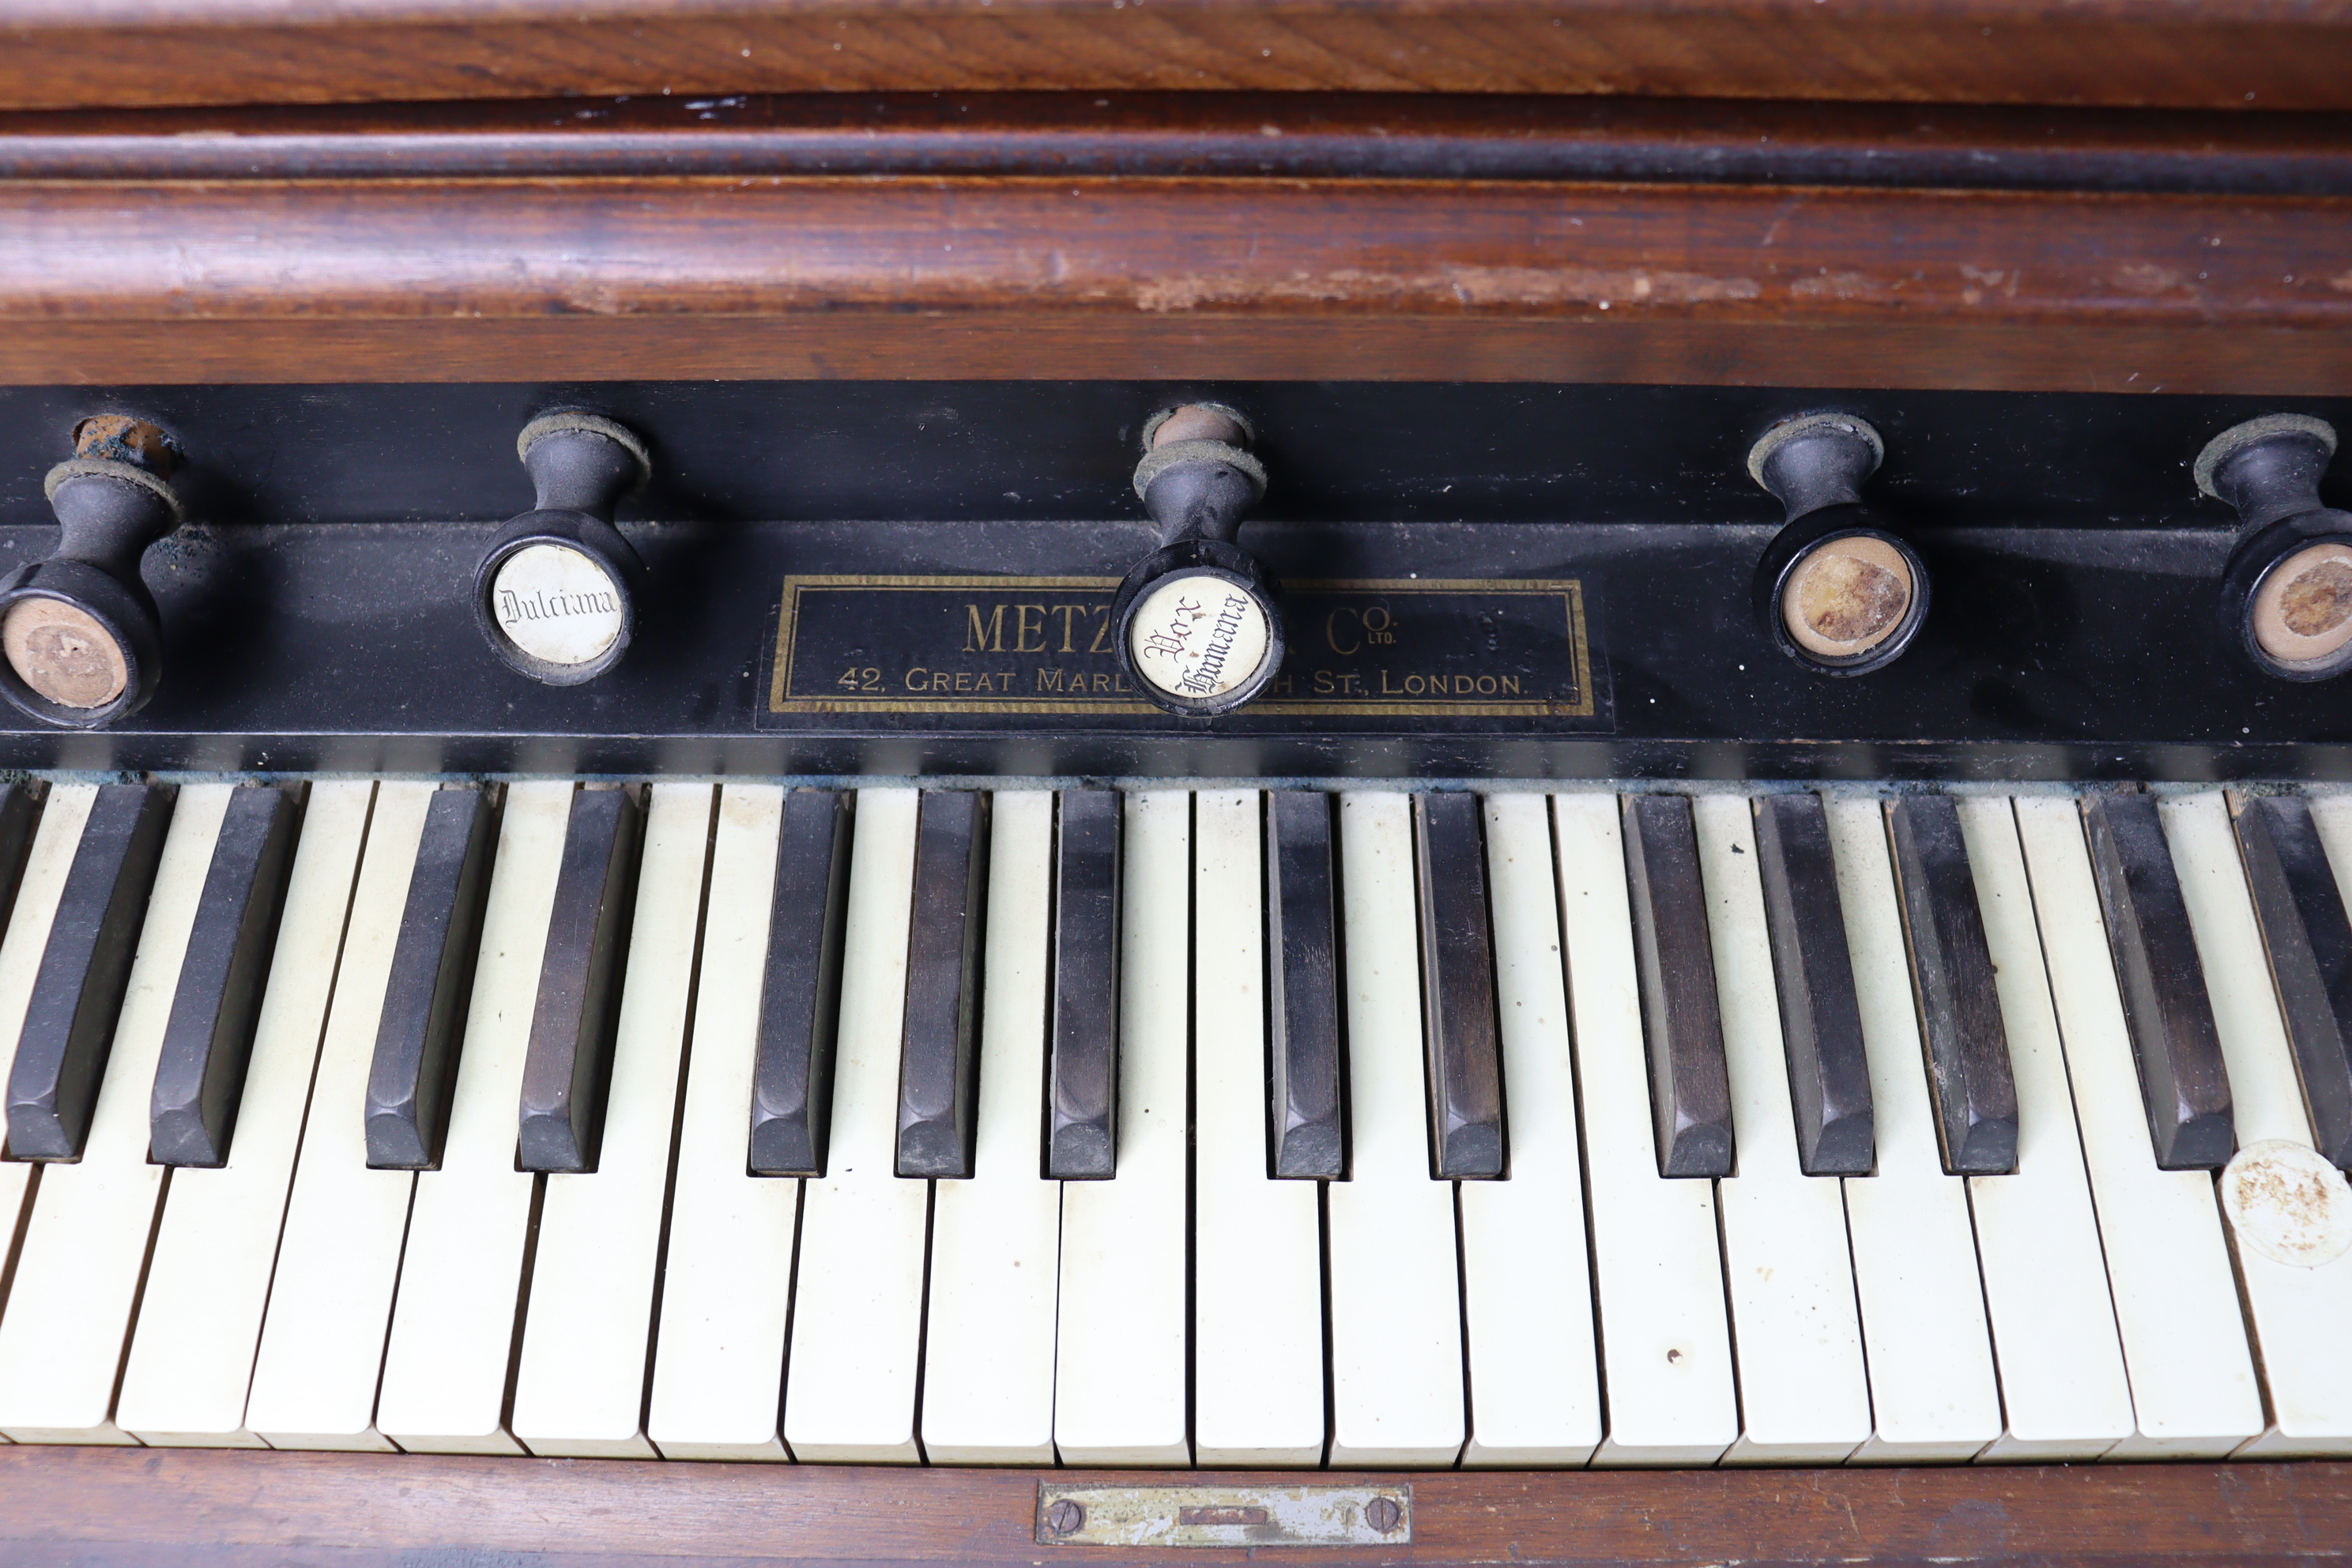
<point x="194" y="1508"/>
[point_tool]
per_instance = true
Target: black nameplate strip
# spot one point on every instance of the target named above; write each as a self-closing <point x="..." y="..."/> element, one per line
<point x="1020" y="646"/>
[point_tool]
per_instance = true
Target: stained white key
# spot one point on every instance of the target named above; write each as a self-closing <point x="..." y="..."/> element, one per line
<point x="1257" y="1243"/>
<point x="727" y="1273"/>
<point x="1933" y="1392"/>
<point x="580" y="1382"/>
<point x="1121" y="1347"/>
<point x="217" y="1243"/>
<point x="1397" y="1394"/>
<point x="1526" y="1279"/>
<point x="988" y="1352"/>
<point x="2299" y="1315"/>
<point x="1665" y="1340"/>
<point x="38" y="892"/>
<point x="1804" y="1398"/>
<point x="2053" y="1324"/>
<point x="453" y="1322"/>
<point x="314" y="1378"/>
<point x="2191" y="1374"/>
<point x="85" y="1247"/>
<point x="857" y="1301"/>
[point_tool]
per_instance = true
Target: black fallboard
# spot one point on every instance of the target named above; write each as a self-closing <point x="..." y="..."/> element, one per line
<point x="1488" y="582"/>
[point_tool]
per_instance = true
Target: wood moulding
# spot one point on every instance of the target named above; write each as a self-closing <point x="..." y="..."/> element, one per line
<point x="1031" y="278"/>
<point x="2221" y="54"/>
<point x="1259" y="135"/>
<point x="196" y="1508"/>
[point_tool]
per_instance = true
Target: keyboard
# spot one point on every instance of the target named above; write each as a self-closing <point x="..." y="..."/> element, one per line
<point x="1217" y="1127"/>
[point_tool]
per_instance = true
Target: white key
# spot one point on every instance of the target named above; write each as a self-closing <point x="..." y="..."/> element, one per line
<point x="1527" y="1280"/>
<point x="216" y="1246"/>
<point x="858" y="1302"/>
<point x="1665" y="1343"/>
<point x="1804" y="1398"/>
<point x="727" y="1274"/>
<point x="2192" y="1376"/>
<point x="1119" y="1369"/>
<point x="38" y="892"/>
<point x="2053" y="1324"/>
<point x="453" y="1322"/>
<point x="2299" y="1315"/>
<point x="988" y="1352"/>
<point x="1257" y="1243"/>
<point x="85" y="1247"/>
<point x="1932" y="1391"/>
<point x="314" y="1379"/>
<point x="580" y="1382"/>
<point x="1397" y="1393"/>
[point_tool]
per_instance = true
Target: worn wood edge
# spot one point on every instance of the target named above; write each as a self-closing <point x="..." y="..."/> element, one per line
<point x="203" y="1506"/>
<point x="1215" y="134"/>
<point x="2217" y="54"/>
<point x="1027" y="346"/>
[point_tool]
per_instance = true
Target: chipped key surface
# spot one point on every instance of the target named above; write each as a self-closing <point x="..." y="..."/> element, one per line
<point x="2288" y="1203"/>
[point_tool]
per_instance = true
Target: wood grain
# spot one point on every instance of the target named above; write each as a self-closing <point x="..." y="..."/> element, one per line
<point x="2276" y="53"/>
<point x="1025" y="277"/>
<point x="193" y="1507"/>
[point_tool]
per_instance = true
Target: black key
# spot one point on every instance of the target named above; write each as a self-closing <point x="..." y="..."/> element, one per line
<point x="1457" y="987"/>
<point x="20" y="814"/>
<point x="937" y="1069"/>
<point x="568" y="1069"/>
<point x="69" y="1024"/>
<point x="432" y="980"/>
<point x="1690" y="1083"/>
<point x="1082" y="1079"/>
<point x="799" y="999"/>
<point x="200" y="1073"/>
<point x="1821" y="1022"/>
<point x="2182" y="1080"/>
<point x="1960" y="1027"/>
<point x="2309" y="941"/>
<point x="1310" y="1128"/>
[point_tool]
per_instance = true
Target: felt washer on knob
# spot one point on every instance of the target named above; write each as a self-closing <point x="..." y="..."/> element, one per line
<point x="2286" y="591"/>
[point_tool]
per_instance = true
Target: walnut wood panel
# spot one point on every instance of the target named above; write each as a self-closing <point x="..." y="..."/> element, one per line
<point x="876" y="279"/>
<point x="2278" y="53"/>
<point x="1419" y="136"/>
<point x="197" y="1508"/>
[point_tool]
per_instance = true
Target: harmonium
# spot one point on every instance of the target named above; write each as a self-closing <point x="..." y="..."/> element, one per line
<point x="1017" y="782"/>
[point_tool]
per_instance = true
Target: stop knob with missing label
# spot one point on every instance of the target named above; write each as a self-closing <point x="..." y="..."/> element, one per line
<point x="1840" y="591"/>
<point x="555" y="593"/>
<point x="2286" y="592"/>
<point x="82" y="639"/>
<point x="1198" y="624"/>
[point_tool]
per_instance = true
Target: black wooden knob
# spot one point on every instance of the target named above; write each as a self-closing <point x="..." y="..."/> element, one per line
<point x="84" y="643"/>
<point x="555" y="593"/>
<point x="1199" y="620"/>
<point x="1838" y="589"/>
<point x="2286" y="592"/>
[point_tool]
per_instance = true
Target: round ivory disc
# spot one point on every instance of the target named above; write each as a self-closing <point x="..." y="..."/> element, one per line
<point x="556" y="604"/>
<point x="1846" y="597"/>
<point x="2304" y="609"/>
<point x="1198" y="637"/>
<point x="2288" y="1203"/>
<point x="63" y="654"/>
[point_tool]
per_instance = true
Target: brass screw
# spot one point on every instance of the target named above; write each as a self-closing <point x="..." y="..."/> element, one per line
<point x="1382" y="1514"/>
<point x="1063" y="1516"/>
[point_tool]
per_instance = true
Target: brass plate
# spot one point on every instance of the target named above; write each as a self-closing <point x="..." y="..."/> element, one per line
<point x="1303" y="1515"/>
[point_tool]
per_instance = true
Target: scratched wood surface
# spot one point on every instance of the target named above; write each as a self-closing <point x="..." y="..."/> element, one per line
<point x="504" y="278"/>
<point x="169" y="1507"/>
<point x="2272" y="54"/>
